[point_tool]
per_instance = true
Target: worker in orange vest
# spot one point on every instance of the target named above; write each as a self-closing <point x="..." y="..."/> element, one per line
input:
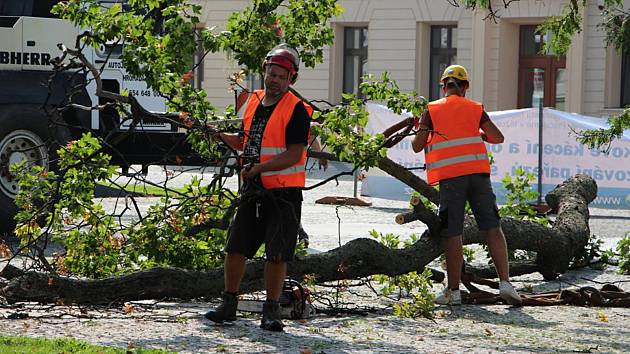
<point x="314" y="145"/>
<point x="452" y="133"/>
<point x="274" y="134"/>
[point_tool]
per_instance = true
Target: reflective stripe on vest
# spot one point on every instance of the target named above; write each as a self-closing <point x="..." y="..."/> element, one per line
<point x="286" y="171"/>
<point x="458" y="149"/>
<point x="456" y="160"/>
<point x="274" y="140"/>
<point x="454" y="142"/>
<point x="276" y="151"/>
<point x="272" y="150"/>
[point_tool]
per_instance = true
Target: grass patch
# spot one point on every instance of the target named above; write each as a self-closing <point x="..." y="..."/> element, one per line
<point x="10" y="345"/>
<point x="144" y="189"/>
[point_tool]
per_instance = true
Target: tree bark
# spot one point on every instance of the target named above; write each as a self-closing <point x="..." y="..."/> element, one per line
<point x="362" y="257"/>
<point x="410" y="179"/>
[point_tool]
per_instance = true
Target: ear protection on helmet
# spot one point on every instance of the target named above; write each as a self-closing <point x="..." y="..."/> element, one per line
<point x="285" y="56"/>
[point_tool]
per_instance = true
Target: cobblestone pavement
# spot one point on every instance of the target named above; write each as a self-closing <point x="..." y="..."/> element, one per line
<point x="470" y="328"/>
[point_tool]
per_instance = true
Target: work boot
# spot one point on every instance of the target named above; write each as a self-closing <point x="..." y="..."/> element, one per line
<point x="226" y="311"/>
<point x="508" y="294"/>
<point x="449" y="297"/>
<point x="271" y="316"/>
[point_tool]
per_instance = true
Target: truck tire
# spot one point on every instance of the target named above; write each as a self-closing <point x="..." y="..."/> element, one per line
<point x="24" y="135"/>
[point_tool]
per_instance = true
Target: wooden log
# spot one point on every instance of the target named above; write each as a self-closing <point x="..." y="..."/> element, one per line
<point x="358" y="258"/>
<point x="406" y="218"/>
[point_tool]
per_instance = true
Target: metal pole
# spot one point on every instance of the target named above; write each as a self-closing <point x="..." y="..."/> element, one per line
<point x="540" y="150"/>
<point x="355" y="175"/>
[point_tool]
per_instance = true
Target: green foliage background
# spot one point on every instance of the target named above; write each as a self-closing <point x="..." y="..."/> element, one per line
<point x="159" y="37"/>
<point x="99" y="244"/>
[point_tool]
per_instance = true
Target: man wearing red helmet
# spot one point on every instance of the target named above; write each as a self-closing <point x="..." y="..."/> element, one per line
<point x="274" y="134"/>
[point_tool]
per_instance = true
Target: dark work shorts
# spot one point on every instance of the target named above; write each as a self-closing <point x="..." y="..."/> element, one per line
<point x="476" y="189"/>
<point x="268" y="220"/>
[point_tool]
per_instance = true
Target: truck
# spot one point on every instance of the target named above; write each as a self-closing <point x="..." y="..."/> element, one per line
<point x="32" y="129"/>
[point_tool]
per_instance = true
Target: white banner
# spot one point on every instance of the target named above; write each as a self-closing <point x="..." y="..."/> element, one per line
<point x="562" y="157"/>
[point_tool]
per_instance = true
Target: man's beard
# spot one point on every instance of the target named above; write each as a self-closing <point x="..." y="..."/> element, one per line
<point x="274" y="92"/>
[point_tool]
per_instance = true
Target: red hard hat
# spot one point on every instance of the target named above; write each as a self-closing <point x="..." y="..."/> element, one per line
<point x="284" y="56"/>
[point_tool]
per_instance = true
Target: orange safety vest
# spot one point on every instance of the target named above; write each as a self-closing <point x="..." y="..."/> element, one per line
<point x="456" y="149"/>
<point x="274" y="140"/>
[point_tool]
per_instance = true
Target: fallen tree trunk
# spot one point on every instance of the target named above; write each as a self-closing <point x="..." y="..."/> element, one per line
<point x="555" y="246"/>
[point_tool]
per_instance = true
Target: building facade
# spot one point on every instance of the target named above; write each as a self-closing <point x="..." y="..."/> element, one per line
<point x="414" y="40"/>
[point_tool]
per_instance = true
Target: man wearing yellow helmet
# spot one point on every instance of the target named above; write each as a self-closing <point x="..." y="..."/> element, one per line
<point x="452" y="133"/>
<point x="457" y="72"/>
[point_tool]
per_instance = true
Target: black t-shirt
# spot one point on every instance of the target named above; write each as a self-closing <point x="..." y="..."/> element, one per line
<point x="296" y="132"/>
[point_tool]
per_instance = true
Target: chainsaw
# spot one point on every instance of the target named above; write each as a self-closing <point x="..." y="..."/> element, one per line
<point x="295" y="302"/>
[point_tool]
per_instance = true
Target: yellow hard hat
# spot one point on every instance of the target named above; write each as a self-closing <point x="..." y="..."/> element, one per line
<point x="455" y="71"/>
